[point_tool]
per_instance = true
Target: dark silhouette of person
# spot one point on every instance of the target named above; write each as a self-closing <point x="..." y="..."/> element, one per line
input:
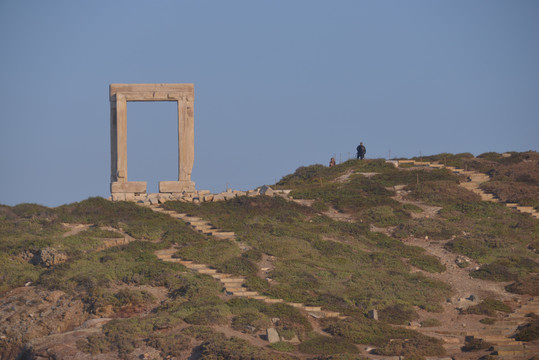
<point x="332" y="162"/>
<point x="361" y="151"/>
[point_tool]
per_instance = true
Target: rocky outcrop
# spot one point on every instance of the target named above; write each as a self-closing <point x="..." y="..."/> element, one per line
<point x="48" y="257"/>
<point x="29" y="313"/>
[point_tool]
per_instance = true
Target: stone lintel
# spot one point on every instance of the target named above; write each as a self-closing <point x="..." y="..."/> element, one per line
<point x="128" y="187"/>
<point x="151" y="92"/>
<point x="176" y="186"/>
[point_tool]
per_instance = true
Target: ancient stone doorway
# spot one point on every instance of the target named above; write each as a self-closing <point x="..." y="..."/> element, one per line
<point x="120" y="94"/>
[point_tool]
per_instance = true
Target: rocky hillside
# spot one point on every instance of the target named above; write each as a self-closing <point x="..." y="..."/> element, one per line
<point x="362" y="260"/>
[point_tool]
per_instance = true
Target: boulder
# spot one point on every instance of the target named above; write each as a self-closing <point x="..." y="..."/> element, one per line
<point x="373" y="314"/>
<point x="273" y="335"/>
<point x="266" y="190"/>
<point x="218" y="197"/>
<point x="252" y="193"/>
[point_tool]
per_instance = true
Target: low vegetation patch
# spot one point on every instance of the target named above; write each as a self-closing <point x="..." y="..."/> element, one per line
<point x="527" y="285"/>
<point x="488" y="307"/>
<point x="398" y="314"/>
<point x="474" y="344"/>
<point x="529" y="331"/>
<point x="325" y="345"/>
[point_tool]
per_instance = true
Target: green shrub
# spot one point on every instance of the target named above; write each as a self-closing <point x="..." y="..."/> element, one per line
<point x="282" y="346"/>
<point x="203" y="333"/>
<point x="412" y="348"/>
<point x="325" y="345"/>
<point x="488" y="307"/>
<point x="528" y="285"/>
<point x="528" y="332"/>
<point x="428" y="263"/>
<point x="252" y="318"/>
<point x="169" y="344"/>
<point x="474" y="344"/>
<point x="398" y="314"/>
<point x="237" y="349"/>
<point x="435" y="229"/>
<point x="494" y="272"/>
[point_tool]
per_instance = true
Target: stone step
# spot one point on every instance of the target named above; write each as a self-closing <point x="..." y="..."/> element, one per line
<point x="196" y="266"/>
<point x="273" y="301"/>
<point x="223" y="233"/>
<point x="234" y="288"/>
<point x="331" y="313"/>
<point x="515" y="346"/>
<point x="296" y="305"/>
<point x="245" y="293"/>
<point x="511" y="204"/>
<point x="207" y="271"/>
<point x="313" y="308"/>
<point x="197" y="223"/>
<point x="220" y="276"/>
<point x="258" y="297"/>
<point x="511" y="352"/>
<point x="437" y="166"/>
<point x="526" y="209"/>
<point x="232" y="280"/>
<point x="421" y="163"/>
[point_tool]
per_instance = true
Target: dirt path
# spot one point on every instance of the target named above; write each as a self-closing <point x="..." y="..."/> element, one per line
<point x="400" y="196"/>
<point x="74" y="229"/>
<point x="462" y="284"/>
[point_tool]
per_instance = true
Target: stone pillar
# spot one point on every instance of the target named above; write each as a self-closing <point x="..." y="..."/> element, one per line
<point x="121" y="136"/>
<point x="186" y="149"/>
<point x="120" y="188"/>
<point x="186" y="140"/>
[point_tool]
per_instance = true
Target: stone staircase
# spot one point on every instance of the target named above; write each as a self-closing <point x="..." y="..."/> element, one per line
<point x="500" y="333"/>
<point x="232" y="285"/>
<point x="474" y="181"/>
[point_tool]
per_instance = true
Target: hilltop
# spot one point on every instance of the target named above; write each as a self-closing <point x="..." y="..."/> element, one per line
<point x="433" y="258"/>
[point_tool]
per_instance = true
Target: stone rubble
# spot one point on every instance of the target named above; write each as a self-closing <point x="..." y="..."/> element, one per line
<point x="196" y="196"/>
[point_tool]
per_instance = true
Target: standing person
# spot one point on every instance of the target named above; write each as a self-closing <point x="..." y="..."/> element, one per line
<point x="361" y="151"/>
<point x="332" y="162"/>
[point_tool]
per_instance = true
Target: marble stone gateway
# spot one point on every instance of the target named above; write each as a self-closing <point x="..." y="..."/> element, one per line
<point x="120" y="94"/>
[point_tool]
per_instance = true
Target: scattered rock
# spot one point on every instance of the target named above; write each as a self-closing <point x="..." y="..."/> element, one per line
<point x="272" y="335"/>
<point x="373" y="314"/>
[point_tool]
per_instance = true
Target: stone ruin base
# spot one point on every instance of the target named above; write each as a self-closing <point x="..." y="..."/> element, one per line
<point x="195" y="196"/>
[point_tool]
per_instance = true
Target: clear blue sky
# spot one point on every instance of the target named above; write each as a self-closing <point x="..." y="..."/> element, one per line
<point x="278" y="84"/>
